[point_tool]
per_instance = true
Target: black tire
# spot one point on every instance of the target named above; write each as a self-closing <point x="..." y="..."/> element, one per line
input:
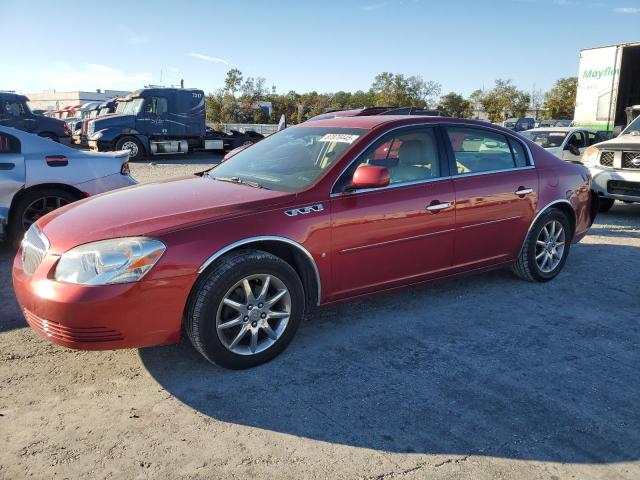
<point x="209" y="292"/>
<point x="50" y="136"/>
<point x="16" y="221"/>
<point x="139" y="153"/>
<point x="605" y="204"/>
<point x="526" y="266"/>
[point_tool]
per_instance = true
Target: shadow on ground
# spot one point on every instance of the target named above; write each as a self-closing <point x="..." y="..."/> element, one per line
<point x="486" y="365"/>
<point x="10" y="315"/>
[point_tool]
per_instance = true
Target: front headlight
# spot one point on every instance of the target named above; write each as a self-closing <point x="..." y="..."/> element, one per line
<point x="590" y="157"/>
<point x="119" y="260"/>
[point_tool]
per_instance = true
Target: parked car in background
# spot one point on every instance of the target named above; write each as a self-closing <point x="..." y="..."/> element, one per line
<point x="317" y="213"/>
<point x="15" y="113"/>
<point x="38" y="176"/>
<point x="564" y="142"/>
<point x="615" y="167"/>
<point x="519" y="124"/>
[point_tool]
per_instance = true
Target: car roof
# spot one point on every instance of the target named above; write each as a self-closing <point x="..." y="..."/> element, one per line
<point x="374" y="121"/>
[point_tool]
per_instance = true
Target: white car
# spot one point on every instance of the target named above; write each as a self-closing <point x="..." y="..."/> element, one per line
<point x="567" y="143"/>
<point x="38" y="175"/>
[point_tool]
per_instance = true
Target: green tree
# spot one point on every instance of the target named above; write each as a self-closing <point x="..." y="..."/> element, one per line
<point x="233" y="81"/>
<point x="476" y="101"/>
<point x="505" y="101"/>
<point x="456" y="105"/>
<point x="396" y="90"/>
<point x="560" y="101"/>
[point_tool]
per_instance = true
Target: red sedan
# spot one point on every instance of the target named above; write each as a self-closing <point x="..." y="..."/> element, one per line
<point x="318" y="213"/>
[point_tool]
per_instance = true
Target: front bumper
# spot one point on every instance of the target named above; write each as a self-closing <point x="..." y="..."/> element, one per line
<point x="601" y="185"/>
<point x="130" y="315"/>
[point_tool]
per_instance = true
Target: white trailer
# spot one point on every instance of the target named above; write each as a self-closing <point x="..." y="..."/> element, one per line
<point x="608" y="84"/>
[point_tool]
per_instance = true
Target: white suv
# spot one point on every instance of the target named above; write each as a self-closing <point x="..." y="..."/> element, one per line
<point x="615" y="166"/>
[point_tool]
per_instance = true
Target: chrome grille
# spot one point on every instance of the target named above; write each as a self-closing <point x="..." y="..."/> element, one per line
<point x="34" y="249"/>
<point x="606" y="159"/>
<point x="630" y="159"/>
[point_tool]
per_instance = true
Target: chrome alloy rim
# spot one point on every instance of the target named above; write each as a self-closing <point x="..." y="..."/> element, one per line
<point x="253" y="314"/>
<point x="550" y="246"/>
<point x="40" y="207"/>
<point x="131" y="146"/>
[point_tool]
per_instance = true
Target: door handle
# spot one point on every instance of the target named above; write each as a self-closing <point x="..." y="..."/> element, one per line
<point x="521" y="192"/>
<point x="436" y="207"/>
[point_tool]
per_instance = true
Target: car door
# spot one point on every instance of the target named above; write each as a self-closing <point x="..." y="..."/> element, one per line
<point x="577" y="139"/>
<point x="496" y="189"/>
<point x="12" y="172"/>
<point x="399" y="233"/>
<point x="153" y="116"/>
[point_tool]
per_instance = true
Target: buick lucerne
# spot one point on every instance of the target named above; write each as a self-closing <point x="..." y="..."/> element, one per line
<point x="318" y="213"/>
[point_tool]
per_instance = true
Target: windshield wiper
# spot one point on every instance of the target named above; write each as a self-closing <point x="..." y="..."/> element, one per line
<point x="239" y="181"/>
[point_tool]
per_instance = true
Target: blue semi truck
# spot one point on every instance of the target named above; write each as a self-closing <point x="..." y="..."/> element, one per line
<point x="162" y="120"/>
<point x="15" y="113"/>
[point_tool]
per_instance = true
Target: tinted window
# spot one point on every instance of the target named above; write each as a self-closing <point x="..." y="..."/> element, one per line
<point x="577" y="139"/>
<point x="157" y="106"/>
<point x="9" y="144"/>
<point x="14" y="109"/>
<point x="411" y="156"/>
<point x="518" y="153"/>
<point x="595" y="138"/>
<point x="477" y="150"/>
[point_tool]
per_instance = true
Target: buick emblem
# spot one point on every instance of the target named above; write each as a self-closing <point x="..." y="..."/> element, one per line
<point x="636" y="162"/>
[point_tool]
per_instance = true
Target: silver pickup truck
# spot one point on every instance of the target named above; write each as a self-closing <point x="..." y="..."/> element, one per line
<point x="38" y="175"/>
<point x="615" y="167"/>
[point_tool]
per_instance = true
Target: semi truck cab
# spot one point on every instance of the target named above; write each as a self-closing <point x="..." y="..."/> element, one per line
<point x="161" y="120"/>
<point x="15" y="113"/>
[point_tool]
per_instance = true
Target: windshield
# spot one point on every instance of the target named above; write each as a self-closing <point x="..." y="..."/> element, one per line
<point x="120" y="107"/>
<point x="103" y="111"/>
<point x="290" y="160"/>
<point x="633" y="126"/>
<point x="132" y="107"/>
<point x="545" y="138"/>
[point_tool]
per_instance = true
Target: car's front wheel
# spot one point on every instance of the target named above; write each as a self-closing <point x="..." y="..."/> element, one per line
<point x="545" y="249"/>
<point x="245" y="310"/>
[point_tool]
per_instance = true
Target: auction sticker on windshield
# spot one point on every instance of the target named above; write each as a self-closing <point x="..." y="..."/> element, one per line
<point x="339" y="138"/>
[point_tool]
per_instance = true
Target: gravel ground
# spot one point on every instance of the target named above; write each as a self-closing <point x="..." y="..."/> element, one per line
<point x="485" y="377"/>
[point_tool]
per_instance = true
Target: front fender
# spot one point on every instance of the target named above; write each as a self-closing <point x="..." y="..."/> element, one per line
<point x="111" y="135"/>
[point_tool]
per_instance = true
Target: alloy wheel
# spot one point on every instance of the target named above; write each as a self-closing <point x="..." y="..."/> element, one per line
<point x="39" y="208"/>
<point x="550" y="246"/>
<point x="253" y="314"/>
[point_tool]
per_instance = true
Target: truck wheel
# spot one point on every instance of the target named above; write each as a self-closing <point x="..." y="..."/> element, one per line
<point x="33" y="205"/>
<point x="50" y="136"/>
<point x="605" y="204"/>
<point x="245" y="310"/>
<point x="545" y="249"/>
<point x="133" y="145"/>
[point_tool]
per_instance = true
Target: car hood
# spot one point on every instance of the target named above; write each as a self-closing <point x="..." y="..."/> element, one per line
<point x="622" y="142"/>
<point x="153" y="209"/>
<point x="53" y="125"/>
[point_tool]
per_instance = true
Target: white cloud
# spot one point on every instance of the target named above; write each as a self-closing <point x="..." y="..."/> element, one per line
<point x="630" y="10"/>
<point x="209" y="59"/>
<point x="92" y="76"/>
<point x="374" y="6"/>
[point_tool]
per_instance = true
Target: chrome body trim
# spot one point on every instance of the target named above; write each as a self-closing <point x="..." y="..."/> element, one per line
<point x="318" y="207"/>
<point x="264" y="238"/>
<point x="417" y="182"/>
<point x="540" y="212"/>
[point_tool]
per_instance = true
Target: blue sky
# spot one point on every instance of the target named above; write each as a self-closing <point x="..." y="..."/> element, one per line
<point x="303" y="45"/>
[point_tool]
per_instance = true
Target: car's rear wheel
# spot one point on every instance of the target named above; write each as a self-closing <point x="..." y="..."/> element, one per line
<point x="545" y="249"/>
<point x="605" y="204"/>
<point x="245" y="310"/>
<point x="132" y="145"/>
<point x="33" y="205"/>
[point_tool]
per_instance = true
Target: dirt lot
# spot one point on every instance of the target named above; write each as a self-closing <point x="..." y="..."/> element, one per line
<point x="486" y="377"/>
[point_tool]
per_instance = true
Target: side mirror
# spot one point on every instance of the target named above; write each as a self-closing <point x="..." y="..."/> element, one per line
<point x="369" y="176"/>
<point x="573" y="149"/>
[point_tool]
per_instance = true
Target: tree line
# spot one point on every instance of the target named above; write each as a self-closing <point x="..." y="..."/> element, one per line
<point x="236" y="102"/>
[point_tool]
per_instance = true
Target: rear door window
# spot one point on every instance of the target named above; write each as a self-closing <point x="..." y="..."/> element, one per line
<point x="476" y="150"/>
<point x="9" y="144"/>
